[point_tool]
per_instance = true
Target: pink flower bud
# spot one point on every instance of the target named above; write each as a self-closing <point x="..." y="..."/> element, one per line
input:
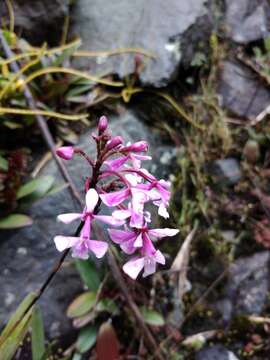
<point x="136" y="147"/>
<point x="102" y="124"/>
<point x="114" y="142"/>
<point x="65" y="152"/>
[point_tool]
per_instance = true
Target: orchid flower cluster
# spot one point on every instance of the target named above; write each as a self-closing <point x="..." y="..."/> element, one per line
<point x="119" y="181"/>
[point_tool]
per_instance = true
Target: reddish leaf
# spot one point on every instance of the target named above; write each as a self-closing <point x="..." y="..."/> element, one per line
<point x="107" y="343"/>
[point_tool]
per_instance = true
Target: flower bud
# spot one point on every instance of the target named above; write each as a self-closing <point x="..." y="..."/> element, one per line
<point x="65" y="152"/>
<point x="102" y="124"/>
<point x="136" y="147"/>
<point x="114" y="142"/>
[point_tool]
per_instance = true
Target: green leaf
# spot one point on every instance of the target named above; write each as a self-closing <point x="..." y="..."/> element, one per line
<point x="152" y="317"/>
<point x="38" y="338"/>
<point x="267" y="44"/>
<point x="3" y="163"/>
<point x="88" y="273"/>
<point x="9" y="37"/>
<point x="77" y="356"/>
<point x="12" y="125"/>
<point x="107" y="305"/>
<point x="78" y="90"/>
<point x="37" y="187"/>
<point x="15" y="331"/>
<point x="86" y="339"/>
<point x="82" y="304"/>
<point x="56" y="189"/>
<point x="15" y="221"/>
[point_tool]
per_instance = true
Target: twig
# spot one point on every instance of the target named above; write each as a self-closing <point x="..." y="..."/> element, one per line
<point x="41" y="122"/>
<point x="248" y="63"/>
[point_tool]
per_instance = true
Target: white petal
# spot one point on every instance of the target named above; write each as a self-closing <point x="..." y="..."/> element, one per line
<point x="160" y="233"/>
<point x="65" y="242"/>
<point x="162" y="211"/>
<point x="91" y="199"/>
<point x="68" y="218"/>
<point x="99" y="248"/>
<point x="133" y="267"/>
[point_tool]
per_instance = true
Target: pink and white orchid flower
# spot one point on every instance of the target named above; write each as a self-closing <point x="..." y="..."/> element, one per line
<point x="147" y="262"/>
<point x="135" y="211"/>
<point x="82" y="245"/>
<point x="131" y="240"/>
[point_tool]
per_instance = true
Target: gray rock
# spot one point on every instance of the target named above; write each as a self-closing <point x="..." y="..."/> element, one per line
<point x="153" y="25"/>
<point x="226" y="171"/>
<point x="248" y="286"/>
<point x="241" y="92"/>
<point x="247" y="20"/>
<point x="217" y="352"/>
<point x="27" y="255"/>
<point x="37" y="20"/>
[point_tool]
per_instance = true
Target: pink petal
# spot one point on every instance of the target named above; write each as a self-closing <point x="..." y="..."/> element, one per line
<point x="128" y="247"/>
<point x="133" y="267"/>
<point x="119" y="236"/>
<point x="135" y="162"/>
<point x="142" y="157"/>
<point x="86" y="230"/>
<point x="159" y="257"/>
<point x="65" y="242"/>
<point x="68" y="218"/>
<point x="165" y="184"/>
<point x="121" y="214"/>
<point x="149" y="266"/>
<point x="148" y="247"/>
<point x="139" y="241"/>
<point x="160" y="233"/>
<point x="115" y="198"/>
<point x="133" y="179"/>
<point x="137" y="220"/>
<point x="116" y="163"/>
<point x="138" y="200"/>
<point x="80" y="250"/>
<point x="114" y="142"/>
<point x="91" y="200"/>
<point x="99" y="248"/>
<point x="110" y="220"/>
<point x="136" y="147"/>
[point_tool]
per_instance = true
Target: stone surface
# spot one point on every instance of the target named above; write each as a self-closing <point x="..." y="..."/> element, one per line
<point x="217" y="352"/>
<point x="226" y="171"/>
<point x="153" y="25"/>
<point x="247" y="20"/>
<point x="248" y="286"/>
<point x="27" y="255"/>
<point x="37" y="20"/>
<point x="241" y="92"/>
